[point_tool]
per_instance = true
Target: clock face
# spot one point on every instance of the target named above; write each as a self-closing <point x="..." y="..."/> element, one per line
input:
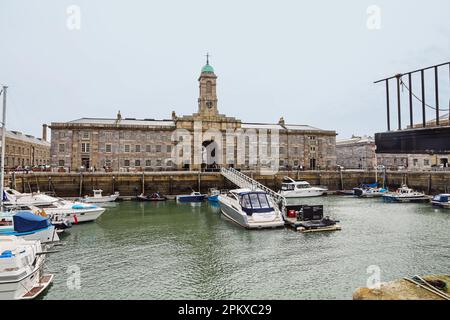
<point x="209" y="104"/>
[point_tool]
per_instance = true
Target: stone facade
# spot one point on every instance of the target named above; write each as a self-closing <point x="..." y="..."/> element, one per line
<point x="202" y="140"/>
<point x="356" y="153"/>
<point x="24" y="150"/>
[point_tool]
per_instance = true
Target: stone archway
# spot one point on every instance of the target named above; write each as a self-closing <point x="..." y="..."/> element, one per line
<point x="209" y="154"/>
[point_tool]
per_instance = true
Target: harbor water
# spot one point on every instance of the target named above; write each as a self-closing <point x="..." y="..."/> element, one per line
<point x="167" y="250"/>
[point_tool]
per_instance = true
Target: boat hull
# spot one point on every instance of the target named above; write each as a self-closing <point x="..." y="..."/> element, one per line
<point x="303" y="193"/>
<point x="394" y="199"/>
<point x="104" y="199"/>
<point x="190" y="198"/>
<point x="45" y="235"/>
<point x="245" y="222"/>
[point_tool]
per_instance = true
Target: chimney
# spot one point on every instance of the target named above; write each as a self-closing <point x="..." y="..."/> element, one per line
<point x="44" y="132"/>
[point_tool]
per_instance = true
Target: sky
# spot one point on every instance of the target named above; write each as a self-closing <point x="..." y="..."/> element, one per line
<point x="312" y="62"/>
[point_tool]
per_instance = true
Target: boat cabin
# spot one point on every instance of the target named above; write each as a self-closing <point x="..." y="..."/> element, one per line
<point x="290" y="184"/>
<point x="254" y="202"/>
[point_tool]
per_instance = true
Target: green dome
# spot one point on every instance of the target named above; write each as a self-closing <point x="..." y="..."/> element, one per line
<point x="207" y="68"/>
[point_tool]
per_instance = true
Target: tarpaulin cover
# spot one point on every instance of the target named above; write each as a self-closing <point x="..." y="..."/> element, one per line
<point x="26" y="221"/>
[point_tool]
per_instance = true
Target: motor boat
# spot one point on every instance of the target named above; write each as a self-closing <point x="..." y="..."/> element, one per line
<point x="28" y="226"/>
<point x="57" y="219"/>
<point x="291" y="188"/>
<point x="441" y="201"/>
<point x="405" y="194"/>
<point x="99" y="198"/>
<point x="369" y="191"/>
<point x="76" y="212"/>
<point x="213" y="195"/>
<point x="250" y="209"/>
<point x="21" y="269"/>
<point x="153" y="197"/>
<point x="193" y="197"/>
<point x="16" y="198"/>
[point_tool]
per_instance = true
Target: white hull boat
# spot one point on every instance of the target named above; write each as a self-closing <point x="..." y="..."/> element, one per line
<point x="299" y="189"/>
<point x="98" y="198"/>
<point x="21" y="269"/>
<point x="15" y="198"/>
<point x="405" y="194"/>
<point x="250" y="209"/>
<point x="28" y="226"/>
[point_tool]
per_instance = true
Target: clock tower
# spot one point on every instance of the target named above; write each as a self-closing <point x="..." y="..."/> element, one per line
<point x="207" y="101"/>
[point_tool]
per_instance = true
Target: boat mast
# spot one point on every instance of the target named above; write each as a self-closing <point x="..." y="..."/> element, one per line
<point x="2" y="165"/>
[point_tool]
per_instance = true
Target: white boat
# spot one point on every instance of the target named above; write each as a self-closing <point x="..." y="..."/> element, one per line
<point x="99" y="198"/>
<point x="28" y="226"/>
<point x="21" y="269"/>
<point x="75" y="212"/>
<point x="250" y="209"/>
<point x="405" y="194"/>
<point x="299" y="189"/>
<point x="16" y="198"/>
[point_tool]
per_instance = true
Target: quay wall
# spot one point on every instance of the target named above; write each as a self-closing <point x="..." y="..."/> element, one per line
<point x="173" y="183"/>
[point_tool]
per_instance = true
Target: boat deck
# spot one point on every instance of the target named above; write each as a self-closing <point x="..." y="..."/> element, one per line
<point x="43" y="283"/>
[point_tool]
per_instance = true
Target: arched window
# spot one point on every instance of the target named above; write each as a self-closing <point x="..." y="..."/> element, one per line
<point x="208" y="87"/>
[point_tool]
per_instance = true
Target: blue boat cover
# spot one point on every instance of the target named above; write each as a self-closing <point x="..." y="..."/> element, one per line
<point x="26" y="221"/>
<point x="7" y="254"/>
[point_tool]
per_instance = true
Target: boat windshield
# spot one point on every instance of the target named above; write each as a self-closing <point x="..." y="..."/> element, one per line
<point x="255" y="201"/>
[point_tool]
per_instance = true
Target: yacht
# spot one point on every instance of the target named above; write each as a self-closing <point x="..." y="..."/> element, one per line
<point x="299" y="189"/>
<point x="405" y="194"/>
<point x="250" y="209"/>
<point x="21" y="269"/>
<point x="26" y="225"/>
<point x="14" y="197"/>
<point x="75" y="212"/>
<point x="441" y="201"/>
<point x="99" y="198"/>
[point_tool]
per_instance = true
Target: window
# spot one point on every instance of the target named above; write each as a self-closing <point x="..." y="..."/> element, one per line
<point x="312" y="138"/>
<point x="85" y="147"/>
<point x="62" y="134"/>
<point x="137" y="163"/>
<point x="158" y="148"/>
<point x="61" y="147"/>
<point x="61" y="163"/>
<point x="148" y="148"/>
<point x="158" y="162"/>
<point x="312" y="149"/>
<point x="426" y="162"/>
<point x="108" y="147"/>
<point x="127" y="148"/>
<point x="108" y="163"/>
<point x="415" y="162"/>
<point x="296" y="163"/>
<point x="126" y="163"/>
<point x="169" y="163"/>
<point x="295" y="150"/>
<point x="85" y="135"/>
<point x="148" y="163"/>
<point x="169" y="148"/>
<point x="208" y="87"/>
<point x="137" y="148"/>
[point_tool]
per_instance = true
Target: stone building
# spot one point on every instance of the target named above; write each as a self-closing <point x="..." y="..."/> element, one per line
<point x="23" y="150"/>
<point x="356" y="153"/>
<point x="204" y="139"/>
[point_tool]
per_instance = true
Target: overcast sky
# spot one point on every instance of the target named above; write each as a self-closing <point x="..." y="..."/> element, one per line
<point x="313" y="62"/>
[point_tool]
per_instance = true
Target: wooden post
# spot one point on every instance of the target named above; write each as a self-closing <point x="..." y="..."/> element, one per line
<point x="113" y="184"/>
<point x="199" y="181"/>
<point x="143" y="182"/>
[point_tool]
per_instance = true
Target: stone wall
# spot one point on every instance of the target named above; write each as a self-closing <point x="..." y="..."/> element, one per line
<point x="130" y="184"/>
